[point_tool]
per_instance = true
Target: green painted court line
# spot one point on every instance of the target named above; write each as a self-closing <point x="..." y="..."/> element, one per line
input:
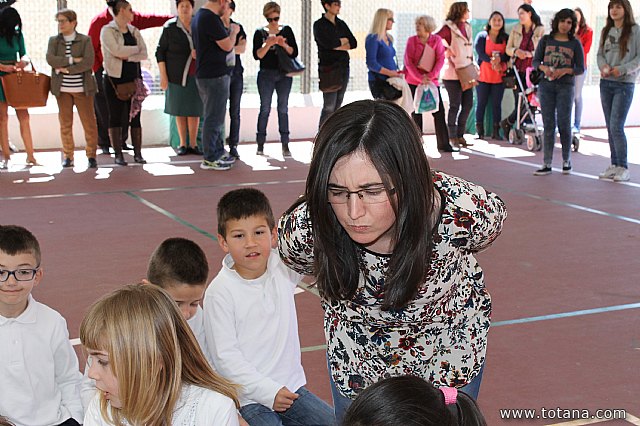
<point x="170" y="215"/>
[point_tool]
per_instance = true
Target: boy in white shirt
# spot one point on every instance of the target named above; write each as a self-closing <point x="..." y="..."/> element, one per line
<point x="39" y="373"/>
<point x="250" y="318"/>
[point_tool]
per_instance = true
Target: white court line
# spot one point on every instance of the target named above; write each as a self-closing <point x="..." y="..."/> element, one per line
<point x="630" y="419"/>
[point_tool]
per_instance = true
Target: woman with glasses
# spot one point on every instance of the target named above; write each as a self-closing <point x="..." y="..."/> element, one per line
<point x="457" y="35"/>
<point x="71" y="56"/>
<point x="270" y="78"/>
<point x="381" y="55"/>
<point x="392" y="244"/>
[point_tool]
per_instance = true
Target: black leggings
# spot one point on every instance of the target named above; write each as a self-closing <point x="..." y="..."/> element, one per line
<point x="118" y="108"/>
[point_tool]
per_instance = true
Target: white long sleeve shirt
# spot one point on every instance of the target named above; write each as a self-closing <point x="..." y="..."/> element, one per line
<point x="196" y="407"/>
<point x="39" y="373"/>
<point x="252" y="330"/>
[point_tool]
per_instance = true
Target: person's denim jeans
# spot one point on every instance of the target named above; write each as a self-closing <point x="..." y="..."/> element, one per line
<point x="235" y="94"/>
<point x="460" y="104"/>
<point x="214" y="93"/>
<point x="577" y="99"/>
<point x="268" y="82"/>
<point x="307" y="410"/>
<point x="556" y="100"/>
<point x="341" y="403"/>
<point x="489" y="92"/>
<point x="616" y="98"/>
<point x="333" y="100"/>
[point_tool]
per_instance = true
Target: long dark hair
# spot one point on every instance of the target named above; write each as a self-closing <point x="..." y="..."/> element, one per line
<point x="561" y="15"/>
<point x="457" y="10"/>
<point x="582" y="25"/>
<point x="10" y="24"/>
<point x="387" y="135"/>
<point x="535" y="18"/>
<point x="502" y="34"/>
<point x="411" y="401"/>
<point x="628" y="23"/>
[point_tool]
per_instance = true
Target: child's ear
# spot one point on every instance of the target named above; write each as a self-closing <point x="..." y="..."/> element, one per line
<point x="222" y="242"/>
<point x="274" y="237"/>
<point x="38" y="277"/>
<point x="145" y="281"/>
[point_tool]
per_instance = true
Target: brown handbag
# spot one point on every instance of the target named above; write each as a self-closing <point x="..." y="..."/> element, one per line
<point x="124" y="91"/>
<point x="26" y="89"/>
<point x="468" y="76"/>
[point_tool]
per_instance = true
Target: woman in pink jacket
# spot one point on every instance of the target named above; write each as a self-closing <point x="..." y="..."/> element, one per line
<point x="415" y="75"/>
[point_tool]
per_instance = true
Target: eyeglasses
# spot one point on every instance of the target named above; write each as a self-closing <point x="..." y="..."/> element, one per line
<point x="24" y="274"/>
<point x="373" y="195"/>
<point x="62" y="21"/>
<point x="391" y="20"/>
<point x="336" y="2"/>
<point x="274" y="19"/>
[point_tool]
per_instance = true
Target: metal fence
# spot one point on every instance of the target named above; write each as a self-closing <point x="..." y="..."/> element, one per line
<point x="39" y="25"/>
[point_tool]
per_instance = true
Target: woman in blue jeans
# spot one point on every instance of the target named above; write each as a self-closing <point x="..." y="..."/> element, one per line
<point x="560" y="56"/>
<point x="619" y="64"/>
<point x="265" y="42"/>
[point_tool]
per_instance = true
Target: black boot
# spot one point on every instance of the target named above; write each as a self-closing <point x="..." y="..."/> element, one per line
<point x="496" y="132"/>
<point x="115" y="135"/>
<point x="506" y="127"/>
<point x="480" y="130"/>
<point x="136" y="139"/>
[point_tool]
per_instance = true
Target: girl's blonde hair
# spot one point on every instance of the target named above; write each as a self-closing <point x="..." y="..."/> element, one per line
<point x="152" y="352"/>
<point x="379" y="25"/>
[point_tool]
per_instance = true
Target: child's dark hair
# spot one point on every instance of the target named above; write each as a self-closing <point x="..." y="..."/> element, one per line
<point x="17" y="240"/>
<point x="411" y="401"/>
<point x="535" y="18"/>
<point x="561" y="15"/>
<point x="242" y="203"/>
<point x="178" y="261"/>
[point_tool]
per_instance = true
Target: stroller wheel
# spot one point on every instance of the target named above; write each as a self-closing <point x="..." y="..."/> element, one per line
<point x="516" y="136"/>
<point x="533" y="142"/>
<point x="575" y="143"/>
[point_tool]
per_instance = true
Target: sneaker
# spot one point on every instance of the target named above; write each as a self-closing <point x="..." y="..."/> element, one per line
<point x="93" y="164"/>
<point x="227" y="159"/>
<point x="286" y="153"/>
<point x="234" y="153"/>
<point x="609" y="172"/>
<point x="544" y="170"/>
<point x="182" y="150"/>
<point x="67" y="162"/>
<point x="566" y="167"/>
<point x="214" y="165"/>
<point x="4" y="164"/>
<point x="622" y="175"/>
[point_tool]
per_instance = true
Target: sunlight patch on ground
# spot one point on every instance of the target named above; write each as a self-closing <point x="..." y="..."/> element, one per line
<point x="163" y="169"/>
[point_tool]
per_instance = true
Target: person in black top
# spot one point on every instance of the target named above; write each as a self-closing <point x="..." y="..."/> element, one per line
<point x="237" y="82"/>
<point x="265" y="42"/>
<point x="334" y="39"/>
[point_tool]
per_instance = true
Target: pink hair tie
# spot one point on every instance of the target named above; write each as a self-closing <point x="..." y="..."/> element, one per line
<point x="450" y="395"/>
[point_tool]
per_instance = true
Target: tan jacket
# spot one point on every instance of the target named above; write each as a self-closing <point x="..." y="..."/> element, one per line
<point x="462" y="47"/>
<point x="56" y="57"/>
<point x="113" y="48"/>
<point x="515" y="38"/>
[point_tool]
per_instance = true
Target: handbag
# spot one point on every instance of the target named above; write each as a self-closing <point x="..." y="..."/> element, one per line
<point x="288" y="65"/>
<point x="330" y="78"/>
<point x="468" y="76"/>
<point x="509" y="79"/>
<point x="386" y="90"/>
<point x="26" y="89"/>
<point x="124" y="91"/>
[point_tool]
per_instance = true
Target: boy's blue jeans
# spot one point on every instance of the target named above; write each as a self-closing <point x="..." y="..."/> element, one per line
<point x="308" y="409"/>
<point x="214" y="93"/>
<point x="556" y="101"/>
<point x="616" y="98"/>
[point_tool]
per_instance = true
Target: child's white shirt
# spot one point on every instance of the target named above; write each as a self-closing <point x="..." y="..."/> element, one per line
<point x="39" y="373"/>
<point x="196" y="407"/>
<point x="196" y="323"/>
<point x="252" y="330"/>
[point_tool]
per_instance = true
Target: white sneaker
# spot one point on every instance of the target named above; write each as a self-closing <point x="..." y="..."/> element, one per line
<point x="609" y="173"/>
<point x="622" y="175"/>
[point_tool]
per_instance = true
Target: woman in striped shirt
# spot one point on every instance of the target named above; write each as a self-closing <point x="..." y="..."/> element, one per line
<point x="72" y="82"/>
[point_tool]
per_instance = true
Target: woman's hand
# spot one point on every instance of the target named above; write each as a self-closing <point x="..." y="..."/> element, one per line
<point x="193" y="54"/>
<point x="281" y="41"/>
<point x="77" y="60"/>
<point x="615" y="71"/>
<point x="164" y="82"/>
<point x="284" y="399"/>
<point x="22" y="64"/>
<point x="8" y="68"/>
<point x="426" y="79"/>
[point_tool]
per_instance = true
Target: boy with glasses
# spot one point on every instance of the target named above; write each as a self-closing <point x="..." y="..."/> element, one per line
<point x="39" y="374"/>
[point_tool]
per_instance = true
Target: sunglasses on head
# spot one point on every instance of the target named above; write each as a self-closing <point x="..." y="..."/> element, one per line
<point x="274" y="19"/>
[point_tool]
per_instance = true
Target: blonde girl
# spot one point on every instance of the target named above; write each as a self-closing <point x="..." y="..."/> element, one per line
<point x="148" y="368"/>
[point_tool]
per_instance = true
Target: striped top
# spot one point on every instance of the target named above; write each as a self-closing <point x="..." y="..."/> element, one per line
<point x="71" y="83"/>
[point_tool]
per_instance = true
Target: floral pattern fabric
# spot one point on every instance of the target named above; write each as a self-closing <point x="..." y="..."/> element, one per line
<point x="442" y="334"/>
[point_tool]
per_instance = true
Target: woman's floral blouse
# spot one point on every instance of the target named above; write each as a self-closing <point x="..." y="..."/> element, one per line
<point x="442" y="334"/>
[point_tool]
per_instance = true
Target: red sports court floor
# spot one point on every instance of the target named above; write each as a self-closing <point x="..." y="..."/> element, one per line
<point x="563" y="276"/>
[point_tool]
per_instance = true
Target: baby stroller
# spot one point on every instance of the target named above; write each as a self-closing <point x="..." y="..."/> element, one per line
<point x="526" y="128"/>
